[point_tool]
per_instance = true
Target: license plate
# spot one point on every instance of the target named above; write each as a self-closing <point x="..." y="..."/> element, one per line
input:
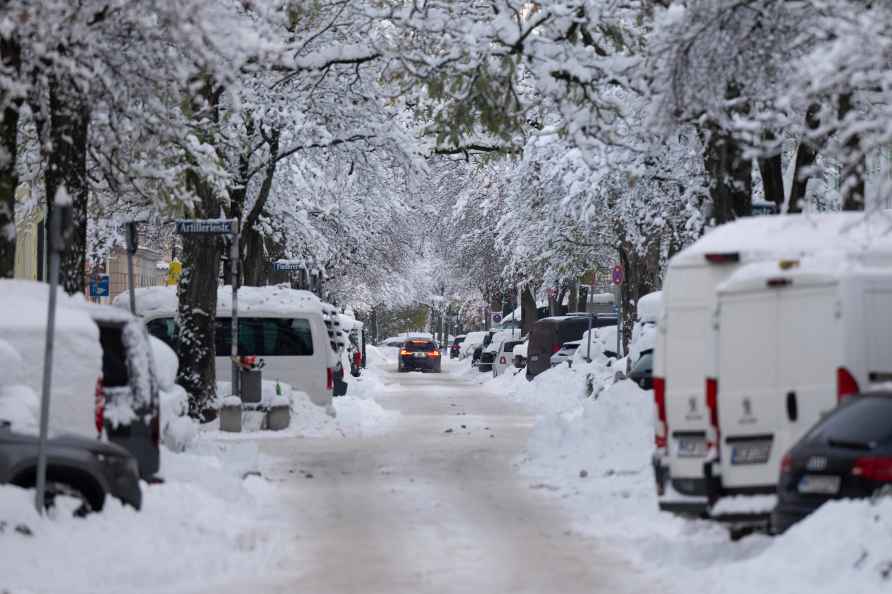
<point x="691" y="447"/>
<point x="756" y="452"/>
<point x="819" y="484"/>
<point x="420" y="355"/>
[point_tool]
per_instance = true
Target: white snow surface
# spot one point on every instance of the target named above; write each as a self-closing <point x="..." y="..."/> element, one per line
<point x="272" y="300"/>
<point x="205" y="525"/>
<point x="593" y="454"/>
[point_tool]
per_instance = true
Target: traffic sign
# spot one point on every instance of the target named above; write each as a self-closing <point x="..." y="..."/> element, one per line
<point x="285" y="266"/>
<point x="99" y="287"/>
<point x="618" y="275"/>
<point x="207" y="226"/>
<point x="496" y="318"/>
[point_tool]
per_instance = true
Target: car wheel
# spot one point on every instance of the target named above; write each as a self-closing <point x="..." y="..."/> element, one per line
<point x="88" y="502"/>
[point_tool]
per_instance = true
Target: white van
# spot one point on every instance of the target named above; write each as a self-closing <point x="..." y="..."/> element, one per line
<point x="280" y="325"/>
<point x="502" y="345"/>
<point x="793" y="339"/>
<point x="683" y="350"/>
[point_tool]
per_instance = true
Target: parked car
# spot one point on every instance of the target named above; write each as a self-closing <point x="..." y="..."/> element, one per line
<point x="472" y="341"/>
<point x="79" y="467"/>
<point x="128" y="405"/>
<point x="490" y="348"/>
<point x="642" y="371"/>
<point x="104" y="378"/>
<point x="420" y="354"/>
<point x="504" y="350"/>
<point x="455" y="348"/>
<point x="519" y="353"/>
<point x="846" y="455"/>
<point x="283" y="326"/>
<point x="793" y="338"/>
<point x="565" y="354"/>
<point x="683" y="350"/>
<point x="548" y="334"/>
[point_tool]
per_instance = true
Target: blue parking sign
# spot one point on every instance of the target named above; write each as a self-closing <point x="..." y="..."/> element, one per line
<point x="99" y="287"/>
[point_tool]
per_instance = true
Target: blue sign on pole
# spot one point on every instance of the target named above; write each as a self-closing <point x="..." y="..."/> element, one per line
<point x="99" y="287"/>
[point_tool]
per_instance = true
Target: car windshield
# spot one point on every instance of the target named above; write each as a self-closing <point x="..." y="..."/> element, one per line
<point x="418" y="346"/>
<point x="863" y="422"/>
<point x="645" y="363"/>
<point x="459" y="340"/>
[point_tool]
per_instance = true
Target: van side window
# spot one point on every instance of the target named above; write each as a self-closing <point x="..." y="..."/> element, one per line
<point x="114" y="357"/>
<point x="266" y="337"/>
<point x="164" y="329"/>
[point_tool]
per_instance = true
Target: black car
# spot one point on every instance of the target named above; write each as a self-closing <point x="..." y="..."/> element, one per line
<point x="478" y="352"/>
<point x="848" y="454"/>
<point x="643" y="371"/>
<point x="455" y="349"/>
<point x="485" y="361"/>
<point x="86" y="469"/>
<point x="420" y="354"/>
<point x="549" y="334"/>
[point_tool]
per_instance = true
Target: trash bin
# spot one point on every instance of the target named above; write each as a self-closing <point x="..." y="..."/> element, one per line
<point x="251" y="384"/>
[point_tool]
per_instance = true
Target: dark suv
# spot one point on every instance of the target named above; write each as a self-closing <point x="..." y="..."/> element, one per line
<point x="420" y="354"/>
<point x="549" y="334"/>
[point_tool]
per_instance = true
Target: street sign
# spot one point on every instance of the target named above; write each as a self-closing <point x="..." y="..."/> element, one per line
<point x="496" y="318"/>
<point x="617" y="276"/>
<point x="207" y="226"/>
<point x="284" y="266"/>
<point x="99" y="287"/>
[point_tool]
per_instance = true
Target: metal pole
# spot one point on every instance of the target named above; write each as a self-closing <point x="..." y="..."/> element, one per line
<point x="233" y="266"/>
<point x="619" y="317"/>
<point x="131" y="249"/>
<point x="588" y="353"/>
<point x="55" y="244"/>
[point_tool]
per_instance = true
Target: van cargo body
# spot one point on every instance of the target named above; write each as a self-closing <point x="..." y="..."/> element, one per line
<point x="793" y="340"/>
<point x="684" y="354"/>
<point x="548" y="334"/>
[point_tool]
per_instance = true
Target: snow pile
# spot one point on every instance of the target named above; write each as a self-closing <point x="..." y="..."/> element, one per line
<point x="205" y="526"/>
<point x="594" y="455"/>
<point x="77" y="358"/>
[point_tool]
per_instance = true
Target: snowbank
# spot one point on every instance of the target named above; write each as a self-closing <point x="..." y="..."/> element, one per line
<point x="205" y="525"/>
<point x="593" y="454"/>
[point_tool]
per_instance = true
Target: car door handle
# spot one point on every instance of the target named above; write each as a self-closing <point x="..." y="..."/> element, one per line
<point x="792" y="406"/>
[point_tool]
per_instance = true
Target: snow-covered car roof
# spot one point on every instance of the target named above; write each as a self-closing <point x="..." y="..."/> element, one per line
<point x="23" y="305"/>
<point x="277" y="300"/>
<point x="791" y="236"/>
<point x="649" y="307"/>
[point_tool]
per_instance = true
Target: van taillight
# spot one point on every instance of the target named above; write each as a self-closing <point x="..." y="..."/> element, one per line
<point x="662" y="429"/>
<point x="99" y="406"/>
<point x="723" y="258"/>
<point x="845" y="384"/>
<point x="555" y="348"/>
<point x="712" y="404"/>
<point x="503" y="360"/>
<point x="787" y="464"/>
<point x="874" y="469"/>
<point x="329" y="379"/>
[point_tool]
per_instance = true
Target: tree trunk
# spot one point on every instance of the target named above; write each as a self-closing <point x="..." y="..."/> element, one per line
<point x="67" y="168"/>
<point x="853" y="162"/>
<point x="10" y="56"/>
<point x="197" y="290"/>
<point x="528" y="311"/>
<point x="573" y="300"/>
<point x="772" y="172"/>
<point x="806" y="155"/>
<point x="641" y="278"/>
<point x="729" y="174"/>
<point x="196" y="316"/>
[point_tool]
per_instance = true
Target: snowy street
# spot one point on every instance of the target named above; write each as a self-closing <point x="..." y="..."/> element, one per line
<point x="431" y="506"/>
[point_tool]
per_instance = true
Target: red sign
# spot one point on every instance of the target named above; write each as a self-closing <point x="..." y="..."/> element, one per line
<point x="617" y="275"/>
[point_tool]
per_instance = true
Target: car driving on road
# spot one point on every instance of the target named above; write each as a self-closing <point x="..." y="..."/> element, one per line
<point x="420" y="354"/>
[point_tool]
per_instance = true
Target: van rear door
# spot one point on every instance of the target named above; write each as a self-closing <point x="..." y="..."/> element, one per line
<point x="747" y="386"/>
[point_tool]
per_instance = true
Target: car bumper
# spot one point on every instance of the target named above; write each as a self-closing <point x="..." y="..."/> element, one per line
<point x="681" y="496"/>
<point x="125" y="487"/>
<point x="426" y="364"/>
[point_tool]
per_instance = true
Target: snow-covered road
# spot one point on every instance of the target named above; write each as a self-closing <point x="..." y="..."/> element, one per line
<point x="431" y="506"/>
